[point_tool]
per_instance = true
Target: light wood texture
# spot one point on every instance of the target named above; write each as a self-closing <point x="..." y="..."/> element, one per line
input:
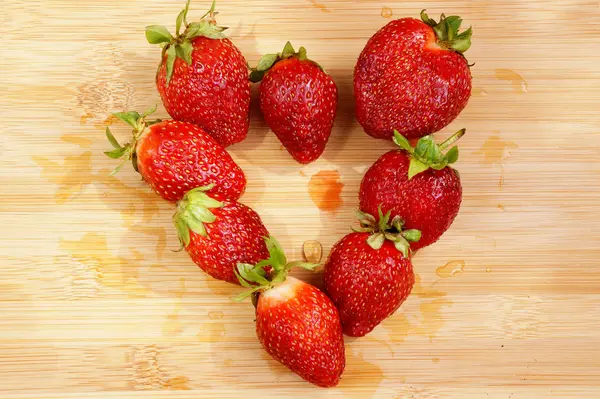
<point x="94" y="303"/>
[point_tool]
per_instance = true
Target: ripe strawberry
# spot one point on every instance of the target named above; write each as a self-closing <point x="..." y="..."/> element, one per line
<point x="412" y="76"/>
<point x="296" y="323"/>
<point x="417" y="185"/>
<point x="369" y="276"/>
<point x="219" y="235"/>
<point x="298" y="100"/>
<point x="203" y="77"/>
<point x="174" y="157"/>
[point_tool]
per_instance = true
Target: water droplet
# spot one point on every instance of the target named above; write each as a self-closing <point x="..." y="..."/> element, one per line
<point x="386" y="12"/>
<point x="518" y="83"/>
<point x="495" y="150"/>
<point x="451" y="269"/>
<point x="488" y="269"/>
<point x="312" y="251"/>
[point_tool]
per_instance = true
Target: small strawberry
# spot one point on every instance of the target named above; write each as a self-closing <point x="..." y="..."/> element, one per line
<point x="203" y="78"/>
<point x="369" y="273"/>
<point x="219" y="235"/>
<point x="417" y="185"/>
<point x="296" y="323"/>
<point x="298" y="100"/>
<point x="412" y="76"/>
<point x="174" y="157"/>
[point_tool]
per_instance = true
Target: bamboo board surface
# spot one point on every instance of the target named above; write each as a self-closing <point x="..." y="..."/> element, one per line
<point x="95" y="304"/>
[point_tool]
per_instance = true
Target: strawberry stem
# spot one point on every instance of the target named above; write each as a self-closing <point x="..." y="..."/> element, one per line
<point x="452" y="139"/>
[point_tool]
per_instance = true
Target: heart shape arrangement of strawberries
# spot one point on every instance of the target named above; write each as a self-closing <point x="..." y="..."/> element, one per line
<point x="410" y="81"/>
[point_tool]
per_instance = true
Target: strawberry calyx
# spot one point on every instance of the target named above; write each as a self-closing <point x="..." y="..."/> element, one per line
<point x="180" y="45"/>
<point x="447" y="34"/>
<point x="427" y="154"/>
<point x="269" y="60"/>
<point x="193" y="211"/>
<point x="384" y="229"/>
<point x="127" y="151"/>
<point x="267" y="273"/>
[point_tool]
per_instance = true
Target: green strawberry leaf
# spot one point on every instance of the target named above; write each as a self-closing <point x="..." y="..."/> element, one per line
<point x="304" y="265"/>
<point x="415" y="167"/>
<point x="183" y="232"/>
<point x="156" y="34"/>
<point x="242" y="281"/>
<point x="427" y="149"/>
<point x="402" y="142"/>
<point x="171" y="56"/>
<point x="117" y="152"/>
<point x="267" y="62"/>
<point x="302" y="54"/>
<point x="276" y="254"/>
<point x="403" y="246"/>
<point x="412" y="235"/>
<point x="211" y="10"/>
<point x="452" y="155"/>
<point x="179" y="21"/>
<point x="453" y="23"/>
<point x="288" y="50"/>
<point x="376" y="240"/>
<point x="250" y="274"/>
<point x="425" y="18"/>
<point x="256" y="76"/>
<point x="184" y="51"/>
<point x="131" y="118"/>
<point x="463" y="41"/>
<point x="118" y="168"/>
<point x="150" y="111"/>
<point x="201" y="213"/>
<point x="397" y="223"/>
<point x="204" y="28"/>
<point x="113" y="141"/>
<point x="245" y="294"/>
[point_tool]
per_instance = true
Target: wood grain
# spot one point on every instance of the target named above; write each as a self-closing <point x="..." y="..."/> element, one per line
<point x="95" y="304"/>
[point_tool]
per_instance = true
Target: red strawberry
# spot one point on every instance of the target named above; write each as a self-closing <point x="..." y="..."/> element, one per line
<point x="219" y="235"/>
<point x="417" y="185"/>
<point x="298" y="100"/>
<point x="412" y="76"/>
<point x="368" y="276"/>
<point x="203" y="77"/>
<point x="174" y="157"/>
<point x="296" y="323"/>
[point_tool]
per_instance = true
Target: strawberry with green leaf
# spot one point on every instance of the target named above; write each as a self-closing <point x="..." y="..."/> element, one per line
<point x="174" y="157"/>
<point x="219" y="234"/>
<point x="203" y="77"/>
<point x="298" y="100"/>
<point x="369" y="273"/>
<point x="296" y="323"/>
<point x="412" y="75"/>
<point x="416" y="184"/>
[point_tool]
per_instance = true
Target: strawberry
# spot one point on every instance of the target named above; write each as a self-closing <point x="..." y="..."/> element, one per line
<point x="296" y="323"/>
<point x="203" y="78"/>
<point x="417" y="185"/>
<point x="412" y="76"/>
<point x="368" y="276"/>
<point x="219" y="235"/>
<point x="298" y="101"/>
<point x="174" y="157"/>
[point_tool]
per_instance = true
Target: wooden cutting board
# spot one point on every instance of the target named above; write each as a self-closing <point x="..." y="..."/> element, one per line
<point x="94" y="302"/>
